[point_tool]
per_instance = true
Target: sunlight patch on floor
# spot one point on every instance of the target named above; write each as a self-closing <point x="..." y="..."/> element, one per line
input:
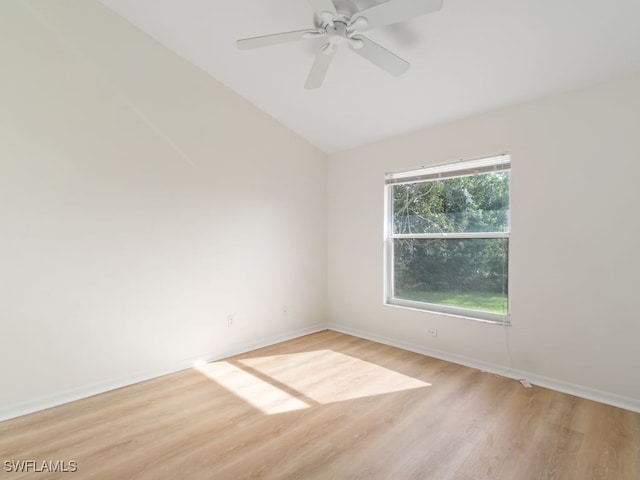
<point x="281" y="383"/>
<point x="263" y="395"/>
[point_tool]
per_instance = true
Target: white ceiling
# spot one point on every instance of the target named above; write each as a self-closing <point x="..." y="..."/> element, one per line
<point x="470" y="57"/>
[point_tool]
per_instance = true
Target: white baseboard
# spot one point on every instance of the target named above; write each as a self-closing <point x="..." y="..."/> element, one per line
<point x="60" y="398"/>
<point x="600" y="396"/>
<point x="85" y="391"/>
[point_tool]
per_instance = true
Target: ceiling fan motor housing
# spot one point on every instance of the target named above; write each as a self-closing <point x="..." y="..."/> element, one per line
<point x="337" y="32"/>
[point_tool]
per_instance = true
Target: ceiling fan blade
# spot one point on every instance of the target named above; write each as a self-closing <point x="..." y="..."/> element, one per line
<point x="274" y="39"/>
<point x="380" y="56"/>
<point x="320" y="67"/>
<point x="320" y="6"/>
<point x="394" y="11"/>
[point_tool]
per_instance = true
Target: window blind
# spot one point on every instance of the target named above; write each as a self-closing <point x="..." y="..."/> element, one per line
<point x="461" y="168"/>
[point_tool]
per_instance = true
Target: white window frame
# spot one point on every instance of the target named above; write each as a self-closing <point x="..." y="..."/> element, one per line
<point x="461" y="168"/>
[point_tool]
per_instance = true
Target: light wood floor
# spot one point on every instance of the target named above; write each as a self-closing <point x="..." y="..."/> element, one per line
<point x="330" y="406"/>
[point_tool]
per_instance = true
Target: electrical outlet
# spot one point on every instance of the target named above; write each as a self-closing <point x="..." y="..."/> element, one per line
<point x="432" y="332"/>
<point x="230" y="320"/>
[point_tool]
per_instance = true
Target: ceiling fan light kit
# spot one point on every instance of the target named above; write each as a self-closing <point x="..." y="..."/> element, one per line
<point x="339" y="25"/>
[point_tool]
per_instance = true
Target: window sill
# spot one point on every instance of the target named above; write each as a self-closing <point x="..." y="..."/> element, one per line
<point x="478" y="316"/>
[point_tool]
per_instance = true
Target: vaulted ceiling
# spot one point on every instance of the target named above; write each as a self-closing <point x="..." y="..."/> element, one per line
<point x="470" y="57"/>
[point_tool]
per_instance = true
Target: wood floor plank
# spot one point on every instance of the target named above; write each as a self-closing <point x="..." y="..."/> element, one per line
<point x="329" y="406"/>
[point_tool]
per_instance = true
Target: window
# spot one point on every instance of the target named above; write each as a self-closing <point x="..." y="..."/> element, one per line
<point x="447" y="238"/>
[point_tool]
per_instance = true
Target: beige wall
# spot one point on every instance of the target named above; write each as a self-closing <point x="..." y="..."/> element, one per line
<point x="141" y="202"/>
<point x="574" y="256"/>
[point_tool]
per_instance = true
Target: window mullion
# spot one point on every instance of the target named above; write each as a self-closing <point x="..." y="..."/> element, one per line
<point x="451" y="235"/>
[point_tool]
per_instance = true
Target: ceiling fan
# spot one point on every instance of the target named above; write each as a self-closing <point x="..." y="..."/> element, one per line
<point x="338" y="21"/>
